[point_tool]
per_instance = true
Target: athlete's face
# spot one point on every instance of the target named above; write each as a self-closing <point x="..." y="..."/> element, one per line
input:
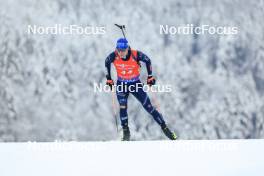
<point x="122" y="53"/>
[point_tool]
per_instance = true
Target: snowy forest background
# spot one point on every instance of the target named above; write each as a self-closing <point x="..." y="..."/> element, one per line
<point x="46" y="81"/>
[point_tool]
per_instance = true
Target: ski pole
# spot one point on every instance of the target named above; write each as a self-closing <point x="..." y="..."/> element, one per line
<point x="122" y="27"/>
<point x="155" y="100"/>
<point x="114" y="109"/>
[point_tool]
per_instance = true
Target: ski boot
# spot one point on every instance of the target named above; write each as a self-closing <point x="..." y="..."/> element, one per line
<point x="171" y="135"/>
<point x="126" y="134"/>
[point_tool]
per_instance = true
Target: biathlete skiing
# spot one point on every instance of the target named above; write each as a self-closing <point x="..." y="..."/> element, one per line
<point x="127" y="64"/>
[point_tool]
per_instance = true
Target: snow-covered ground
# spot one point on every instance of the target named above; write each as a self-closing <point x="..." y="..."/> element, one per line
<point x="183" y="157"/>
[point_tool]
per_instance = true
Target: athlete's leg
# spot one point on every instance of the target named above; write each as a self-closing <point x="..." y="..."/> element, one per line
<point x="122" y="96"/>
<point x="142" y="96"/>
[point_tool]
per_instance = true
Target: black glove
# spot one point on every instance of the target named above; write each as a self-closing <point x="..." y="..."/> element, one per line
<point x="151" y="80"/>
<point x="109" y="82"/>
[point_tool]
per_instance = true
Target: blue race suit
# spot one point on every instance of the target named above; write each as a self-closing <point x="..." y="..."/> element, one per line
<point x="128" y="86"/>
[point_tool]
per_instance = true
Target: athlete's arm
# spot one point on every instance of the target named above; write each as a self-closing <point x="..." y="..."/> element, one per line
<point x="144" y="58"/>
<point x="108" y="62"/>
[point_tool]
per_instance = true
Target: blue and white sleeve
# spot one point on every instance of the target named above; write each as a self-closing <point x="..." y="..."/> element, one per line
<point x="144" y="58"/>
<point x="108" y="61"/>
